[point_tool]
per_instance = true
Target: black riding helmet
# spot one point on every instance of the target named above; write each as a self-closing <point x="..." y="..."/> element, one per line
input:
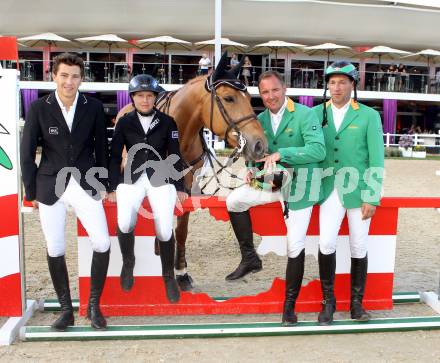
<point x="144" y="82"/>
<point x="343" y="68"/>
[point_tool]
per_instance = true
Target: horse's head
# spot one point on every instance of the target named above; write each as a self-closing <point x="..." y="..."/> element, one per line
<point x="228" y="112"/>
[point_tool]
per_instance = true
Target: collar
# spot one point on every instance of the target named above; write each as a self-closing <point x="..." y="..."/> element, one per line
<point x="61" y="103"/>
<point x="342" y="109"/>
<point x="290" y="105"/>
<point x="146" y="114"/>
<point x="141" y="116"/>
<point x="281" y="110"/>
<point x="354" y="104"/>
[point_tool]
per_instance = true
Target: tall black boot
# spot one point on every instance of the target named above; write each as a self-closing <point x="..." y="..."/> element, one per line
<point x="60" y="280"/>
<point x="359" y="267"/>
<point x="327" y="269"/>
<point x="126" y="243"/>
<point x="167" y="249"/>
<point x="294" y="277"/>
<point x="250" y="262"/>
<point x="98" y="275"/>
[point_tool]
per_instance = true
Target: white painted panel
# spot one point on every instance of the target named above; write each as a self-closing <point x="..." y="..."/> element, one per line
<point x="9" y="256"/>
<point x="381" y="251"/>
<point x="147" y="263"/>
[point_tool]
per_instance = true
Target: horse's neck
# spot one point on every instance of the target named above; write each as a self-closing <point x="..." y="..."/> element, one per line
<point x="186" y="110"/>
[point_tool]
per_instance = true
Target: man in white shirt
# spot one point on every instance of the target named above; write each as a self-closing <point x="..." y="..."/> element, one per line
<point x="295" y="141"/>
<point x="204" y="64"/>
<point x="354" y="142"/>
<point x="71" y="129"/>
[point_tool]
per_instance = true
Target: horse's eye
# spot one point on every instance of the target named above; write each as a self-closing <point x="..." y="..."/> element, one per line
<point x="229" y="99"/>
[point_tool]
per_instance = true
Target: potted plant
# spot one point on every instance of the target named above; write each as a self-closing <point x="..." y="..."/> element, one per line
<point x="419" y="152"/>
<point x="405" y="145"/>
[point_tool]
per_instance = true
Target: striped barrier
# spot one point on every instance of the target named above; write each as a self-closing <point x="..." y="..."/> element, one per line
<point x="148" y="294"/>
<point x="12" y="300"/>
<point x="10" y="278"/>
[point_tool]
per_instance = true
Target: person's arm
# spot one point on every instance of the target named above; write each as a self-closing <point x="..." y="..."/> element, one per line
<point x="28" y="149"/>
<point x="101" y="143"/>
<point x="314" y="146"/>
<point x="375" y="145"/>
<point x="117" y="145"/>
<point x="177" y="169"/>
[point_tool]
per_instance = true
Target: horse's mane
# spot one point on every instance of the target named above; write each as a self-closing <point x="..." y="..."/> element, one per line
<point x="194" y="80"/>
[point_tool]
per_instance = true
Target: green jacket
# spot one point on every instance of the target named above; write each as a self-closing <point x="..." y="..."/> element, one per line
<point x="300" y="142"/>
<point x="355" y="156"/>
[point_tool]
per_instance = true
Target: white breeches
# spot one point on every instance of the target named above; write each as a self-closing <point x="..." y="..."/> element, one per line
<point x="162" y="201"/>
<point x="331" y="215"/>
<point x="88" y="210"/>
<point x="245" y="197"/>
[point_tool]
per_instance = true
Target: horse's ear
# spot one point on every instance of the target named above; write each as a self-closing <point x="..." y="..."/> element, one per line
<point x="237" y="68"/>
<point x="221" y="67"/>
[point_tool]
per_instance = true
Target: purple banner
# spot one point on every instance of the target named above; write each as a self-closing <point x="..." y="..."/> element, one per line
<point x="306" y="100"/>
<point x="389" y="116"/>
<point x="28" y="96"/>
<point x="122" y="99"/>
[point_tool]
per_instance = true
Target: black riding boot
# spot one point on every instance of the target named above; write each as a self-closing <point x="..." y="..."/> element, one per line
<point x="294" y="277"/>
<point x="167" y="249"/>
<point x="98" y="275"/>
<point x="327" y="269"/>
<point x="359" y="267"/>
<point x="60" y="280"/>
<point x="250" y="262"/>
<point x="126" y="243"/>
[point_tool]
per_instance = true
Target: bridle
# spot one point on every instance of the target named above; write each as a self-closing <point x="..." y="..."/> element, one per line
<point x="232" y="125"/>
<point x="211" y="87"/>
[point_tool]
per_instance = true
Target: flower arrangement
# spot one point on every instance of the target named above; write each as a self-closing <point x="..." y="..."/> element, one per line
<point x="419" y="148"/>
<point x="406" y="141"/>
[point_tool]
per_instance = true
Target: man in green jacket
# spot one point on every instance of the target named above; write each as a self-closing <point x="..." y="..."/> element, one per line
<point x="352" y="183"/>
<point x="295" y="141"/>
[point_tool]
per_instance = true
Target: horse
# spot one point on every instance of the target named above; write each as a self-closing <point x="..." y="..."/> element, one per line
<point x="221" y="103"/>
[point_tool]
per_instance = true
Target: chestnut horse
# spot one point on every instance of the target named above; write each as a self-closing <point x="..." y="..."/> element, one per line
<point x="222" y="104"/>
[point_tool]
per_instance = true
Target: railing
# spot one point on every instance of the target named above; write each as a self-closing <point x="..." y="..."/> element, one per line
<point x="430" y="141"/>
<point x="180" y="73"/>
<point x="401" y="82"/>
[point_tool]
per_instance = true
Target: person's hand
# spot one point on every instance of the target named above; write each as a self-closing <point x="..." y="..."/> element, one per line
<point x="367" y="210"/>
<point x="111" y="197"/>
<point x="270" y="161"/>
<point x="34" y="204"/>
<point x="182" y="196"/>
<point x="248" y="176"/>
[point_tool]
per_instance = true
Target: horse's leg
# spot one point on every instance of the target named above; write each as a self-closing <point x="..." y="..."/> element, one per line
<point x="183" y="279"/>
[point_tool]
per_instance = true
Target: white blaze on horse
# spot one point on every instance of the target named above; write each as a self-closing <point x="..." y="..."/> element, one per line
<point x="221" y="103"/>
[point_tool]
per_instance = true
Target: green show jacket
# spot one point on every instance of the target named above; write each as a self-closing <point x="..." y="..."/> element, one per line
<point x="300" y="142"/>
<point x="354" y="161"/>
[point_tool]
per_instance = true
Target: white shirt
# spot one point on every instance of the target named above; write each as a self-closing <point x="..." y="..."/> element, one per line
<point x="204" y="63"/>
<point x="276" y="118"/>
<point x="339" y="114"/>
<point x="68" y="115"/>
<point x="145" y="121"/>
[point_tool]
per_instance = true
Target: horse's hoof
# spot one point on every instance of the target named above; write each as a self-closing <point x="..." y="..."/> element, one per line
<point x="185" y="282"/>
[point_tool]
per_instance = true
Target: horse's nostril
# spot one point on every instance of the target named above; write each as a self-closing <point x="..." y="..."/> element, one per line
<point x="258" y="148"/>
